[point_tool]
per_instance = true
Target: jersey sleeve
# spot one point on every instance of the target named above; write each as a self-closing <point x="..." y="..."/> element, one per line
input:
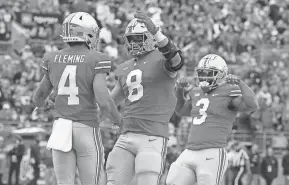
<point x="235" y="91"/>
<point x="103" y="64"/>
<point x="44" y="64"/>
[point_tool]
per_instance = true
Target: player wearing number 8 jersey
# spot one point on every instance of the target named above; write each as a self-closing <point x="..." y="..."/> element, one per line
<point x="146" y="83"/>
<point x="213" y="106"/>
<point x="78" y="76"/>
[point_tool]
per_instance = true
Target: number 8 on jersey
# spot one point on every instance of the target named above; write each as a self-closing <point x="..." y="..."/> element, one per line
<point x="135" y="88"/>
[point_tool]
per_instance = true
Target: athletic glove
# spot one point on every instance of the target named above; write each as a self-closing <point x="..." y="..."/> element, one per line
<point x="232" y="79"/>
<point x="143" y="18"/>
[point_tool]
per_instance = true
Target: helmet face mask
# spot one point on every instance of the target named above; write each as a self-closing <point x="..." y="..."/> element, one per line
<point x="135" y="43"/>
<point x="138" y="40"/>
<point x="207" y="75"/>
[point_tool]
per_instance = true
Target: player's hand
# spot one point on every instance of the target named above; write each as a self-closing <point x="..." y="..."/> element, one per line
<point x="117" y="126"/>
<point x="47" y="107"/>
<point x="232" y="79"/>
<point x="143" y="18"/>
<point x="184" y="84"/>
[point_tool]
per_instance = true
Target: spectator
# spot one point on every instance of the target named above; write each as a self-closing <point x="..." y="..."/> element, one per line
<point x="238" y="164"/>
<point x="255" y="163"/>
<point x="15" y="156"/>
<point x="50" y="178"/>
<point x="35" y="161"/>
<point x="2" y="159"/>
<point x="269" y="166"/>
<point x="285" y="165"/>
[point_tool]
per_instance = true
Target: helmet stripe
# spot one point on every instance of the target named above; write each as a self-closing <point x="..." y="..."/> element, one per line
<point x="68" y="25"/>
<point x="66" y="29"/>
<point x="206" y="61"/>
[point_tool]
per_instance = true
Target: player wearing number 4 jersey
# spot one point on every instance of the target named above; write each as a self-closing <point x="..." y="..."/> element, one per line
<point x="213" y="106"/>
<point x="146" y="83"/>
<point x="78" y="76"/>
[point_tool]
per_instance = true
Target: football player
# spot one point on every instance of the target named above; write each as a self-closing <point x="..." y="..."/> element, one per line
<point x="213" y="107"/>
<point x="146" y="83"/>
<point x="78" y="76"/>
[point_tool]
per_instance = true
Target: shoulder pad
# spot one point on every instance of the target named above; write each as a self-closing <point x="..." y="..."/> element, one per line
<point x="124" y="67"/>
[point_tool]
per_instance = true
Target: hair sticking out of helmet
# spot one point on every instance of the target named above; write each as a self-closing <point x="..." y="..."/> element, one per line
<point x="212" y="70"/>
<point x="138" y="40"/>
<point x="81" y="27"/>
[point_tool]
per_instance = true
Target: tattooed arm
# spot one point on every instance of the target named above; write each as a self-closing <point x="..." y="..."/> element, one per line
<point x="42" y="92"/>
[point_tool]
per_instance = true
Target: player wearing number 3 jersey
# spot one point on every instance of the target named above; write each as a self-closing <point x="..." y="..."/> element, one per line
<point x="146" y="83"/>
<point x="213" y="106"/>
<point x="78" y="76"/>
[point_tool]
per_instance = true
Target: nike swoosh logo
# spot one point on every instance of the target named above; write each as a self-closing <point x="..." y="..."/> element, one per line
<point x="125" y="68"/>
<point x="150" y="140"/>
<point x="209" y="159"/>
<point x="145" y="62"/>
<point x="214" y="94"/>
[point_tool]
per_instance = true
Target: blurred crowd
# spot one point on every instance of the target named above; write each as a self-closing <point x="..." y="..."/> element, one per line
<point x="251" y="35"/>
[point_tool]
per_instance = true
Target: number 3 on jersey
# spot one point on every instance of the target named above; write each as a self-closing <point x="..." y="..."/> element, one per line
<point x="71" y="90"/>
<point x="135" y="88"/>
<point x="204" y="102"/>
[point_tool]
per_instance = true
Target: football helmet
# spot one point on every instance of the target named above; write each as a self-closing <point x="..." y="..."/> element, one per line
<point x="138" y="40"/>
<point x="212" y="70"/>
<point x="81" y="27"/>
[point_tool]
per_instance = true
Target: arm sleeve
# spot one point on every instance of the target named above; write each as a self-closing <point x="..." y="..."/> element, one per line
<point x="103" y="65"/>
<point x="44" y="64"/>
<point x="235" y="91"/>
<point x="173" y="55"/>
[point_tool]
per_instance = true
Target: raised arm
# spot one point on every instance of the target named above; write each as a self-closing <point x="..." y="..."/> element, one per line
<point x="184" y="106"/>
<point x="174" y="60"/>
<point x="245" y="99"/>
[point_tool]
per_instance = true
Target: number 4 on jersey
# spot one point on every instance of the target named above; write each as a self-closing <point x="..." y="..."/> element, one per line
<point x="72" y="90"/>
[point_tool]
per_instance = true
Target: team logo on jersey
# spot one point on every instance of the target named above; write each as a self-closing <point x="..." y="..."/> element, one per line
<point x="197" y="94"/>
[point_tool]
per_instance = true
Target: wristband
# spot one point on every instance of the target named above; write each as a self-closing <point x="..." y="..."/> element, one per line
<point x="159" y="36"/>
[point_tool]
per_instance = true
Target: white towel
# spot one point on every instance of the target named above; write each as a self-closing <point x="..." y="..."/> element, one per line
<point x="61" y="136"/>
